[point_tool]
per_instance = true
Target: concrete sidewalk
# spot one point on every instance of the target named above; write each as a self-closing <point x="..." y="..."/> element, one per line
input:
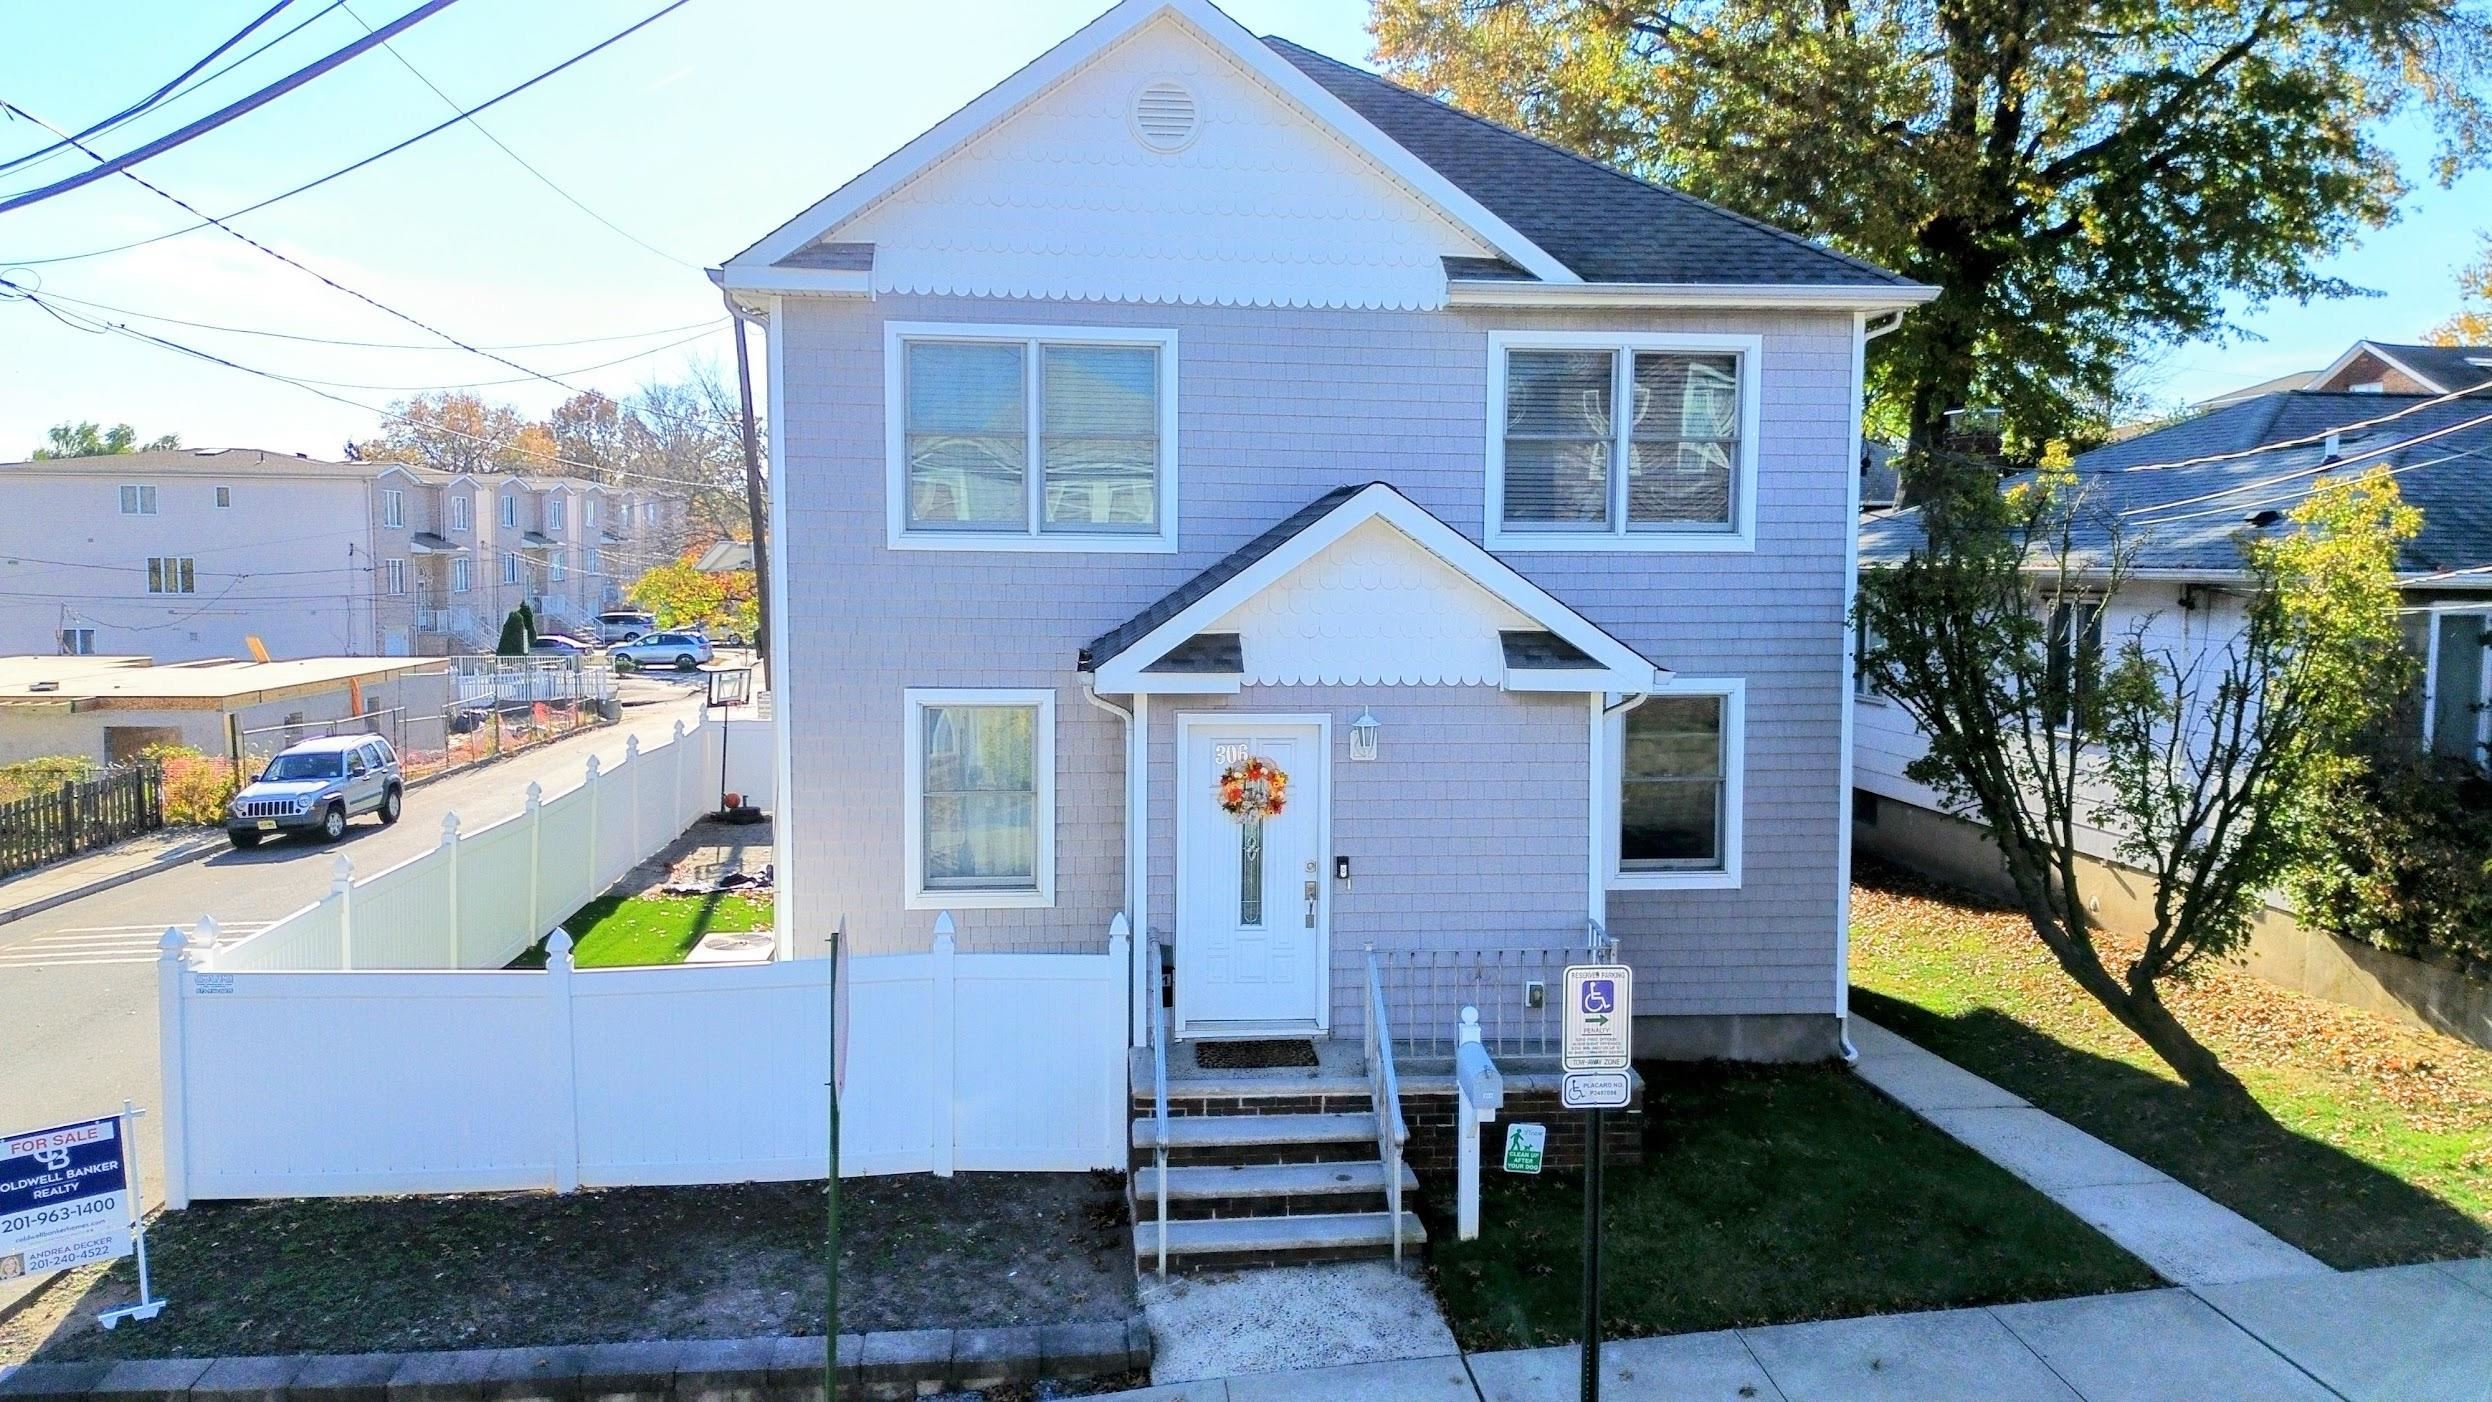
<point x="2397" y="1334"/>
<point x="33" y="892"/>
<point x="2189" y="1238"/>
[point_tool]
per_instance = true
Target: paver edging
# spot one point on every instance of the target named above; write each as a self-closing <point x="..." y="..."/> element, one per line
<point x="895" y="1364"/>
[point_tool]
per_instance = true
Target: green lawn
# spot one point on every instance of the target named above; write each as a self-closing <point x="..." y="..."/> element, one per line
<point x="1768" y="1194"/>
<point x="621" y="931"/>
<point x="2370" y="1143"/>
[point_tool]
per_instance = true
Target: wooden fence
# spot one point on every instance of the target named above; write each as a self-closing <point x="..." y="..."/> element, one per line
<point x="80" y="814"/>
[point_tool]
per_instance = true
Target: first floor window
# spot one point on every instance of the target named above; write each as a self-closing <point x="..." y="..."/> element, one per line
<point x="78" y="642"/>
<point x="462" y="575"/>
<point x="981" y="785"/>
<point x="2074" y="662"/>
<point x="1621" y="437"/>
<point x="2460" y="660"/>
<point x="394" y="576"/>
<point x="171" y="574"/>
<point x="1044" y="435"/>
<point x="1678" y="775"/>
<point x="510" y="567"/>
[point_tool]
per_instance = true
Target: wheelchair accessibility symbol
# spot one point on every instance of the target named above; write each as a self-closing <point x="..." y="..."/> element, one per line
<point x="1599" y="995"/>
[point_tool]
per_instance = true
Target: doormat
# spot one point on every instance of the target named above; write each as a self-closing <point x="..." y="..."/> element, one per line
<point x="1254" y="1056"/>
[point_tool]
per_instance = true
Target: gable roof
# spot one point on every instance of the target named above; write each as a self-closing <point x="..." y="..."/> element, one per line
<point x="2439" y="369"/>
<point x="1603" y="224"/>
<point x="2269" y="454"/>
<point x="1126" y="656"/>
<point x="1555" y="218"/>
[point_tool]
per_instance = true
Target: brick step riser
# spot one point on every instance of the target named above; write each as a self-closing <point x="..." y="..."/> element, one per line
<point x="1247" y="1155"/>
<point x="1145" y="1208"/>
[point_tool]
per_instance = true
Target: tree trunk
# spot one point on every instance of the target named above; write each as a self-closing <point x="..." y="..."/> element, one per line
<point x="2137" y="1006"/>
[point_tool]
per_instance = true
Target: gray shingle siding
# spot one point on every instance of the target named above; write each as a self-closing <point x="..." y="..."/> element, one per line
<point x="1276" y="406"/>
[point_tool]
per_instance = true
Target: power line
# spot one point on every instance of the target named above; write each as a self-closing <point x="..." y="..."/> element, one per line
<point x="596" y="470"/>
<point x="159" y="95"/>
<point x="205" y="219"/>
<point x="322" y="277"/>
<point x="2321" y="436"/>
<point x="52" y="152"/>
<point x="2338" y="464"/>
<point x="367" y="345"/>
<point x="121" y="163"/>
<point x="521" y="161"/>
<point x="702" y="334"/>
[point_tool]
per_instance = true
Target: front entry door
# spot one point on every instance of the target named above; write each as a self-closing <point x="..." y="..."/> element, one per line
<point x="1252" y="899"/>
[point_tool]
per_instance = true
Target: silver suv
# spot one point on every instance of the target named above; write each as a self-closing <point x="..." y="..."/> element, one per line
<point x="315" y="787"/>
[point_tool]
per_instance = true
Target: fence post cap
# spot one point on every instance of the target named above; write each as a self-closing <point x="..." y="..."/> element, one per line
<point x="207" y="931"/>
<point x="174" y="942"/>
<point x="679" y="728"/>
<point x="1120" y="927"/>
<point x="558" y="946"/>
<point x="631" y="746"/>
<point x="536" y="793"/>
<point x="593" y="766"/>
<point x="449" y="826"/>
<point x="343" y="873"/>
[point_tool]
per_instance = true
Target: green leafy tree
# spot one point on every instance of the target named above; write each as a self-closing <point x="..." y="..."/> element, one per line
<point x="680" y="596"/>
<point x="2472" y="325"/>
<point x="2206" y="762"/>
<point x="2080" y="178"/>
<point x="93" y="440"/>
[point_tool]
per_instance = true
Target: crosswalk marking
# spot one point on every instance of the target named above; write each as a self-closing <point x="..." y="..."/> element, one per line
<point x="104" y="944"/>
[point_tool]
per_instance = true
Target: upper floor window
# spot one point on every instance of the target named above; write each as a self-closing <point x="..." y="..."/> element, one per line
<point x="394" y="576"/>
<point x="588" y="514"/>
<point x="138" y="501"/>
<point x="393" y="508"/>
<point x="510" y="512"/>
<point x="510" y="567"/>
<point x="224" y="497"/>
<point x="1031" y="438"/>
<point x="553" y="513"/>
<point x="1622" y="441"/>
<point x="460" y="514"/>
<point x="172" y="574"/>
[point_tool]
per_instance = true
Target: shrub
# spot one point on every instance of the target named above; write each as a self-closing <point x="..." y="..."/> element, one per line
<point x="2406" y="862"/>
<point x="196" y="786"/>
<point x="29" y="777"/>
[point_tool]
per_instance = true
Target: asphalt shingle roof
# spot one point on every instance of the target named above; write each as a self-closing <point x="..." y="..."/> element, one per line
<point x="1603" y="224"/>
<point x="2453" y="368"/>
<point x="2187" y="517"/>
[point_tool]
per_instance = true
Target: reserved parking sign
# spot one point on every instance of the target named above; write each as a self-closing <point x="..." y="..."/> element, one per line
<point x="64" y="1197"/>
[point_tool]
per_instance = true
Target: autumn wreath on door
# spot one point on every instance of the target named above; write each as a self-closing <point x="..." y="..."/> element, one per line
<point x="1253" y="788"/>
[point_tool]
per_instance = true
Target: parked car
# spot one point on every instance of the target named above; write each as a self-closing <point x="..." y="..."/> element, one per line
<point x="561" y="645"/>
<point x="624" y="625"/>
<point x="682" y="651"/>
<point x="314" y="787"/>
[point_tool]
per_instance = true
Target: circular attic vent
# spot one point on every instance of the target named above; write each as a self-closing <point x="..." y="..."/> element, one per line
<point x="1164" y="117"/>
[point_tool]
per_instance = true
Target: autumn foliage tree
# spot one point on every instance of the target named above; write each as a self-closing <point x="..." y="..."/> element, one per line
<point x="679" y="596"/>
<point x="2206" y="762"/>
<point x="2081" y="179"/>
<point x="2472" y="325"/>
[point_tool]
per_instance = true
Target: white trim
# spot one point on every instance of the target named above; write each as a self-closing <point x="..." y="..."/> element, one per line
<point x="788" y="885"/>
<point x="1726" y="877"/>
<point x="1626" y="670"/>
<point x="1596" y="767"/>
<point x="897" y="533"/>
<point x="1187" y="723"/>
<point x="916" y="895"/>
<point x="393" y="509"/>
<point x="1740" y="538"/>
<point x="1851" y="671"/>
<point x="2373" y="347"/>
<point x="999" y="103"/>
<point x="1502" y="292"/>
<point x="774" y="283"/>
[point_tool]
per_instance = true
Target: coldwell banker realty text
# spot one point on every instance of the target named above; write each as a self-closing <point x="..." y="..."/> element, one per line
<point x="64" y="1198"/>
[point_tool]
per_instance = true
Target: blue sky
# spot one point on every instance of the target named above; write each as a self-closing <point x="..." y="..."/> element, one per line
<point x="697" y="135"/>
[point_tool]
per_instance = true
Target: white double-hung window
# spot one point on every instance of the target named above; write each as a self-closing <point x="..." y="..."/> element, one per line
<point x="980" y="780"/>
<point x="1677" y="770"/>
<point x="1031" y="438"/>
<point x="1622" y="441"/>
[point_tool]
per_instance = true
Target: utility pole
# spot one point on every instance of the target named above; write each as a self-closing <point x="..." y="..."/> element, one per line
<point x="758" y="516"/>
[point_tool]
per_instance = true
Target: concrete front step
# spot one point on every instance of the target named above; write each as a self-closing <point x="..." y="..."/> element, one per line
<point x="1228" y="1242"/>
<point x="1258" y="1139"/>
<point x="1266" y="1190"/>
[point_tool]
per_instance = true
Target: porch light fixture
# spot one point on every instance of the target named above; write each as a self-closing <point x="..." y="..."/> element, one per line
<point x="1363" y="735"/>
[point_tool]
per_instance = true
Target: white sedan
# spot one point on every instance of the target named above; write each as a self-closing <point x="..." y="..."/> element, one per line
<point x="681" y="651"/>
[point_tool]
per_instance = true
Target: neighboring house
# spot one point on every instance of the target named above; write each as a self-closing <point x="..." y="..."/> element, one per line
<point x="2376" y="367"/>
<point x="182" y="554"/>
<point x="115" y="708"/>
<point x="2181" y="496"/>
<point x="1191" y="399"/>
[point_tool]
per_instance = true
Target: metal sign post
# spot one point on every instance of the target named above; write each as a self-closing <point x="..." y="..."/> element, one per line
<point x="1599" y="1050"/>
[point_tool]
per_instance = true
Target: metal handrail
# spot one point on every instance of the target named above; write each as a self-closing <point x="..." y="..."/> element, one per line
<point x="1384" y="1086"/>
<point x="1159" y="1096"/>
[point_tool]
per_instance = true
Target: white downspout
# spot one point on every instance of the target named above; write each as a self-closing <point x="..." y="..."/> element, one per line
<point x="1137" y="890"/>
<point x="1868" y="328"/>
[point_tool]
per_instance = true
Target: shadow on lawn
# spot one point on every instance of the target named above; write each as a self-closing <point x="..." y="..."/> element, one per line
<point x="2318" y="1197"/>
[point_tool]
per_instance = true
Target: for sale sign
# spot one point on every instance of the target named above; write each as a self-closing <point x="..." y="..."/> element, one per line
<point x="64" y="1197"/>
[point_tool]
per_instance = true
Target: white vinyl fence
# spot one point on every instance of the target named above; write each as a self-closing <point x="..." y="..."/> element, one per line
<point x="480" y="898"/>
<point x="345" y="1083"/>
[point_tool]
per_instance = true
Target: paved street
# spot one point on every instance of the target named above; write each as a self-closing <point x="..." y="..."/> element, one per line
<point x="77" y="982"/>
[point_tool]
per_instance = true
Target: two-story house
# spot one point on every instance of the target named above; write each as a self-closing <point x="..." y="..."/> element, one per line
<point x="1220" y="487"/>
<point x="182" y="554"/>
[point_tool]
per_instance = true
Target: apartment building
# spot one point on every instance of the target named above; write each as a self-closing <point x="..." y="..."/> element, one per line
<point x="183" y="554"/>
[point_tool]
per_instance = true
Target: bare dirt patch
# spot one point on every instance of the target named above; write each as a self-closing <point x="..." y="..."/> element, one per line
<point x="1020" y="1248"/>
